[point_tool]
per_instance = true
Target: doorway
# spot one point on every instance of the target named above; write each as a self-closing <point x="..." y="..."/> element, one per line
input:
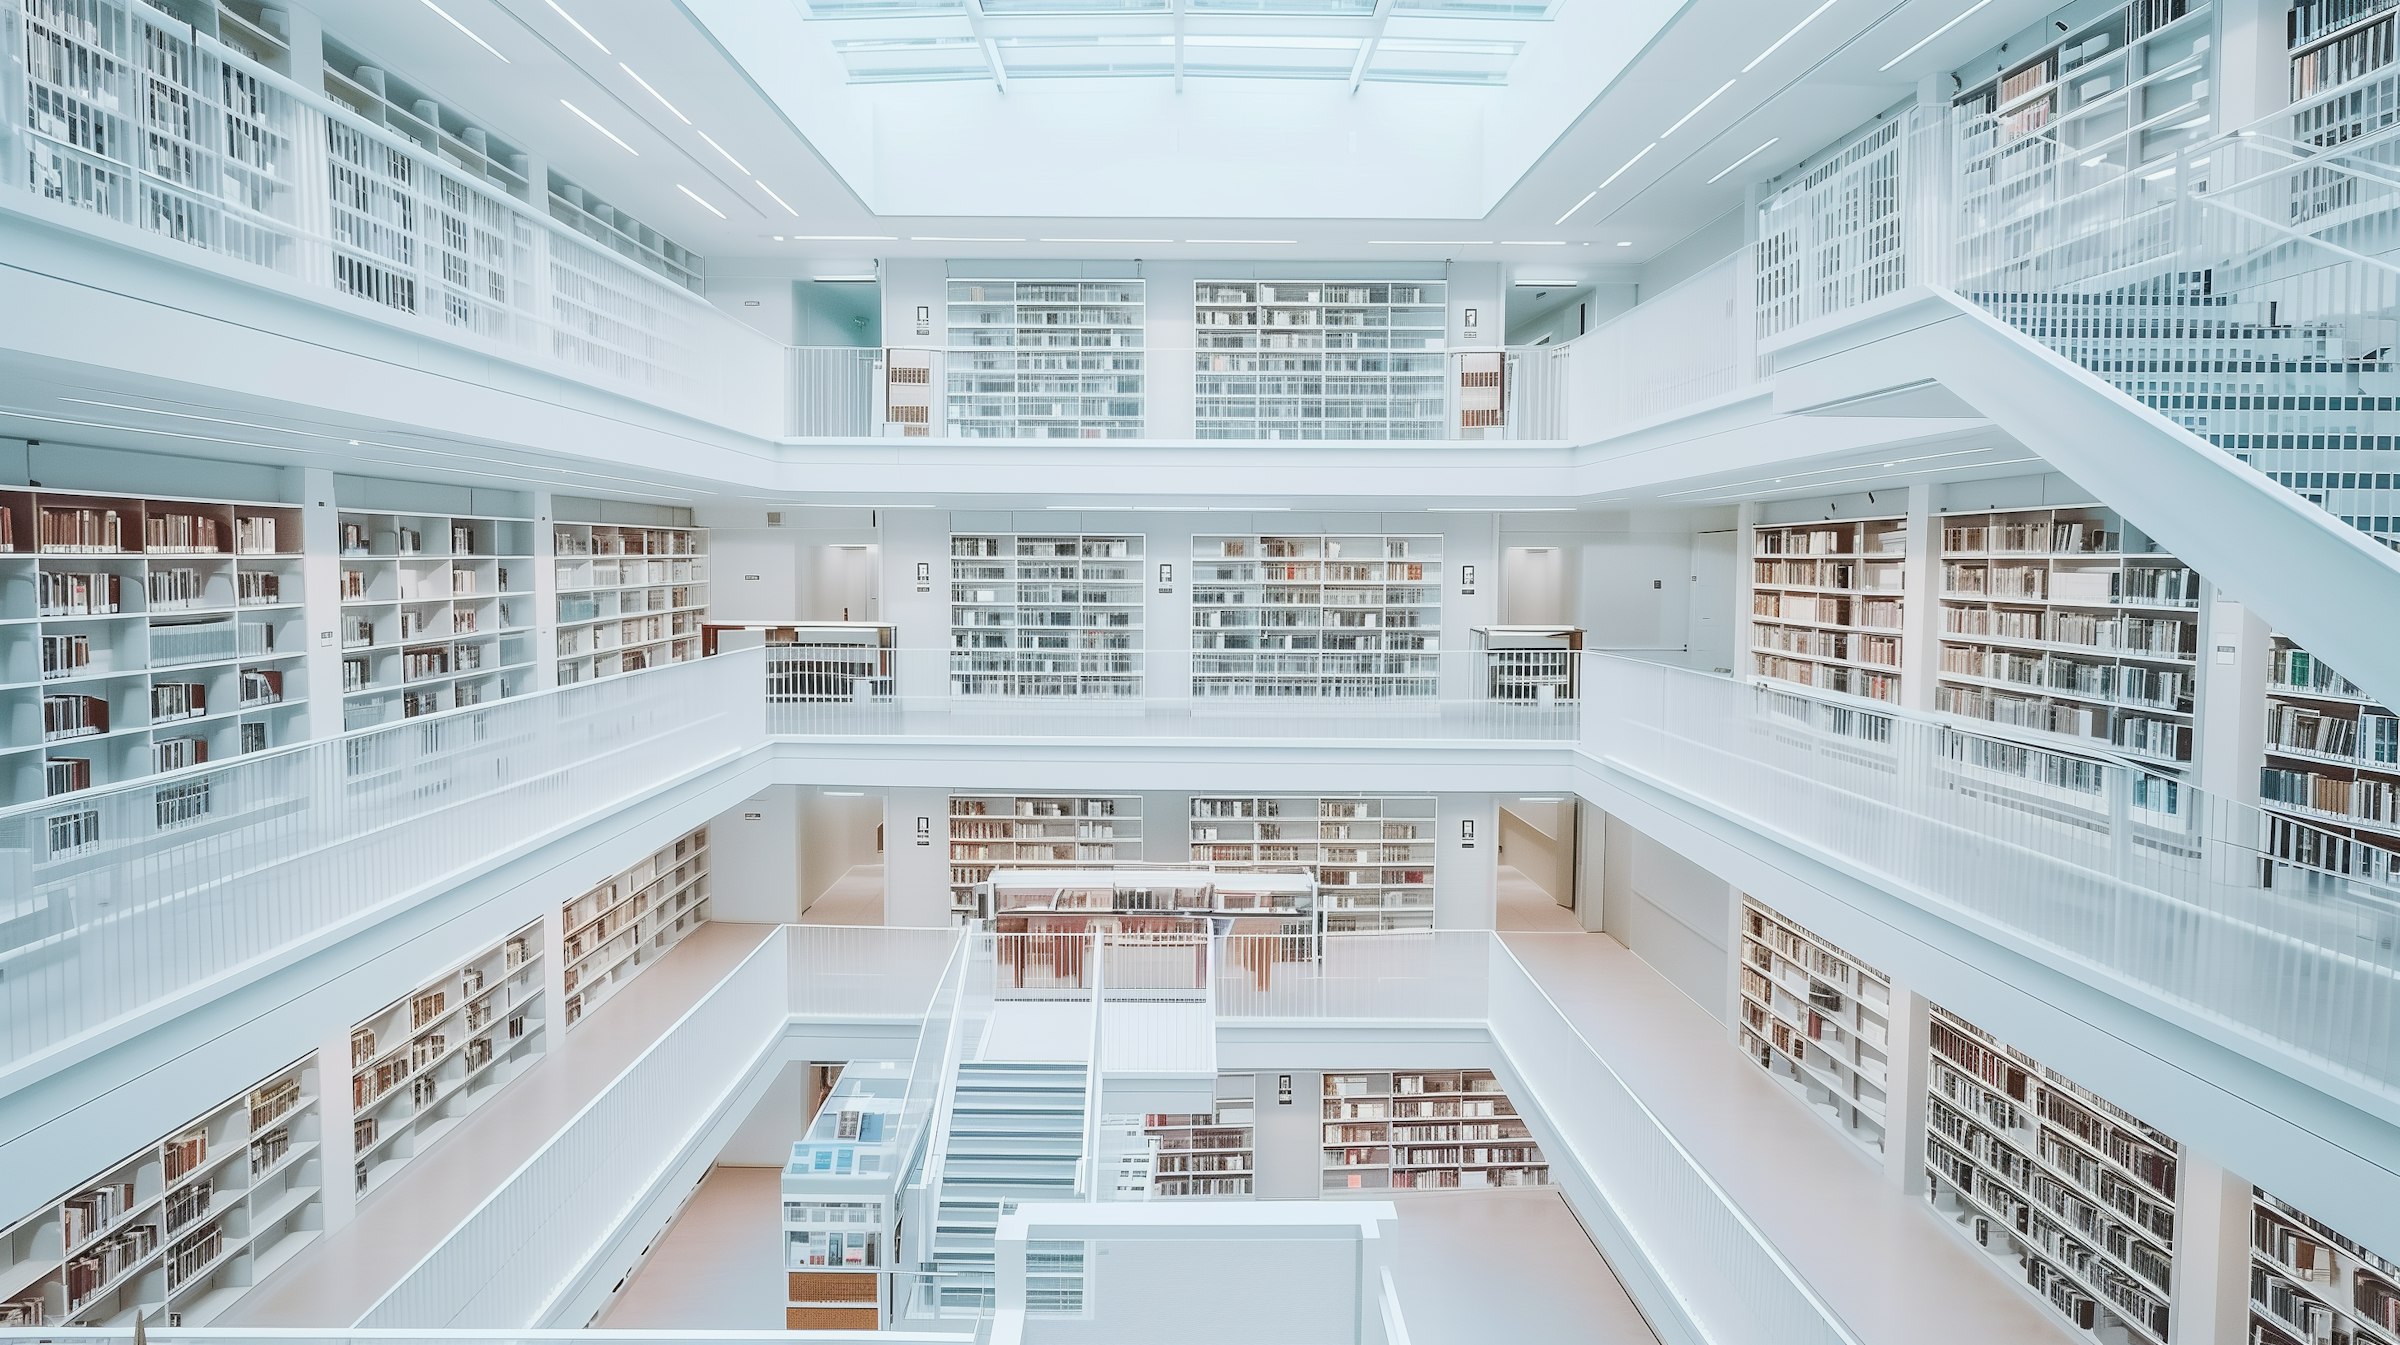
<point x="1534" y="587"/>
<point x="842" y="581"/>
<point x="1536" y="884"/>
<point x="1714" y="562"/>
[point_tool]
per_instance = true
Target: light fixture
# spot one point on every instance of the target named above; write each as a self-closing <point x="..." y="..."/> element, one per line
<point x="845" y="793"/>
<point x="850" y="278"/>
<point x="770" y="191"/>
<point x="947" y="238"/>
<point x="1111" y="241"/>
<point x="1961" y="17"/>
<point x="1587" y="200"/>
<point x="1533" y="242"/>
<point x="1245" y="242"/>
<point x="587" y="120"/>
<point x="704" y="205"/>
<point x="1777" y="44"/>
<point x="1745" y="158"/>
<point x="1624" y="242"/>
<point x="662" y="98"/>
<point x="557" y="9"/>
<point x="471" y="36"/>
<point x="712" y="144"/>
<point x="1696" y="110"/>
<point x="1621" y="171"/>
<point x="844" y="238"/>
<point x="1429" y="242"/>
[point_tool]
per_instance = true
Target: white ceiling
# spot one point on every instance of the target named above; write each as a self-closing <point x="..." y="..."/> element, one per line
<point x="701" y="137"/>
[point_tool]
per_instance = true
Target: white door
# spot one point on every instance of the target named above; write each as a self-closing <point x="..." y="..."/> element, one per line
<point x="1714" y="556"/>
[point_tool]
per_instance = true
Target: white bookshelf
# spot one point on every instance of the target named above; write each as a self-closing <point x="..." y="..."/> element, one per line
<point x="391" y="102"/>
<point x="1319" y="359"/>
<point x="1037" y="831"/>
<point x="143" y="634"/>
<point x="437" y="613"/>
<point x="1818" y="1020"/>
<point x="1373" y="855"/>
<point x="629" y="597"/>
<point x="175" y="1232"/>
<point x="2068" y="625"/>
<point x="2310" y="1284"/>
<point x="1317" y="617"/>
<point x="1214" y="1153"/>
<point x="2332" y="774"/>
<point x="2075" y="1198"/>
<point x="1046" y="359"/>
<point x="1045" y="615"/>
<point x="1826" y="604"/>
<point x="2336" y="43"/>
<point x="614" y="231"/>
<point x="1425" y="1130"/>
<point x="615" y="930"/>
<point x="423" y="1062"/>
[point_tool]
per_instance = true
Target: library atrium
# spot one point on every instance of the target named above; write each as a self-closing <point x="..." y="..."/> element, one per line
<point x="1731" y="682"/>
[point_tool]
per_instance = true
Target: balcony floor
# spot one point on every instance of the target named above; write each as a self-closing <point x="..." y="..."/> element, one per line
<point x="1272" y="722"/>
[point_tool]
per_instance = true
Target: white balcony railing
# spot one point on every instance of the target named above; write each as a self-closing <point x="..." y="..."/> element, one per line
<point x="2132" y="880"/>
<point x="122" y="898"/>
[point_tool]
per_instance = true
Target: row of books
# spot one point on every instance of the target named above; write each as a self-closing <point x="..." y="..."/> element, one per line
<point x="2366" y="800"/>
<point x="1850" y="574"/>
<point x="2369" y="737"/>
<point x="1878" y="649"/>
<point x="179" y="587"/>
<point x="73" y="717"/>
<point x="2062" y="536"/>
<point x="2132" y="634"/>
<point x="64" y="593"/>
<point x="1828" y="609"/>
<point x="174" y="754"/>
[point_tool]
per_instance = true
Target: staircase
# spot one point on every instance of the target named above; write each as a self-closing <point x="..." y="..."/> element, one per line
<point x="1016" y="1132"/>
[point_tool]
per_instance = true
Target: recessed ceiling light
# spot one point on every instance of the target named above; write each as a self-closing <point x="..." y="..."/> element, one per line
<point x="1587" y="200"/>
<point x="587" y="120"/>
<point x="1795" y="32"/>
<point x="1961" y="17"/>
<point x="1109" y="240"/>
<point x="1696" y="109"/>
<point x="704" y="205"/>
<point x="1245" y="242"/>
<point x="1744" y="159"/>
<point x="770" y="191"/>
<point x="959" y="238"/>
<point x="464" y="29"/>
<point x="1429" y="243"/>
<point x="1624" y="242"/>
<point x="712" y="144"/>
<point x="854" y="278"/>
<point x="779" y="238"/>
<point x="1533" y="242"/>
<point x="587" y="33"/>
<point x="844" y="238"/>
<point x="662" y="98"/>
<point x="1625" y="168"/>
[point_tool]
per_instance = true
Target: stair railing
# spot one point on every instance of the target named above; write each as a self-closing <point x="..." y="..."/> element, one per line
<point x="1087" y="1167"/>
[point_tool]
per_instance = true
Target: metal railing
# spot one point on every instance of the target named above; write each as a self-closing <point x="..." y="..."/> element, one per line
<point x="857" y="971"/>
<point x="1506" y="695"/>
<point x="1423" y="975"/>
<point x="1691" y="344"/>
<point x="2125" y="878"/>
<point x="122" y="898"/>
<point x="515" y="1257"/>
<point x="240" y="163"/>
<point x="833" y="391"/>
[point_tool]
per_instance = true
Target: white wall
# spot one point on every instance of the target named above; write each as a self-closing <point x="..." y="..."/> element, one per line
<point x="783" y="571"/>
<point x="754" y="860"/>
<point x="1628" y="574"/>
<point x="1287" y="1142"/>
<point x="764" y="1138"/>
<point x="766" y="303"/>
<point x="1674" y="914"/>
<point x="916" y="878"/>
<point x="1702" y="248"/>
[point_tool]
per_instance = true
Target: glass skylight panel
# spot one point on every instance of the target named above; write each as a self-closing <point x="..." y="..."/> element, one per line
<point x="884" y="9"/>
<point x="1417" y="60"/>
<point x="1307" y="8"/>
<point x="1477" y="9"/>
<point x="903" y="59"/>
<point x="1087" y="57"/>
<point x="1050" y="8"/>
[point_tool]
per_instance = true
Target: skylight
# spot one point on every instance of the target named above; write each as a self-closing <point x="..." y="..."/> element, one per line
<point x="1402" y="41"/>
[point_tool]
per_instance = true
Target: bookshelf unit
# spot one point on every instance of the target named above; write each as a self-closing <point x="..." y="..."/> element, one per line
<point x="1425" y="1130"/>
<point x="172" y="1234"/>
<point x="2309" y="1284"/>
<point x="612" y="230"/>
<point x="612" y="932"/>
<point x="1319" y="359"/>
<point x="1317" y="617"/>
<point x="2074" y="1197"/>
<point x="1372" y="855"/>
<point x="2068" y="624"/>
<point x="144" y="634"/>
<point x="1037" y="831"/>
<point x="1818" y="1020"/>
<point x="841" y="1204"/>
<point x="1207" y="1154"/>
<point x="1053" y="615"/>
<point x="2334" y="43"/>
<point x="1046" y="359"/>
<point x="1826" y="602"/>
<point x="388" y="101"/>
<point x="418" y="1066"/>
<point x="629" y="597"/>
<point x="437" y="613"/>
<point x="2331" y="783"/>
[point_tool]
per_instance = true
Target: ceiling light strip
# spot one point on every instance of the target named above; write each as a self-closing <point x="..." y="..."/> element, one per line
<point x="587" y="120"/>
<point x="1777" y="45"/>
<point x="662" y="98"/>
<point x="712" y="144"/>
<point x="471" y="34"/>
<point x="702" y="200"/>
<point x="561" y="12"/>
<point x="770" y="191"/>
<point x="1587" y="200"/>
<point x="1961" y="17"/>
<point x="1696" y="110"/>
<point x="1771" y="140"/>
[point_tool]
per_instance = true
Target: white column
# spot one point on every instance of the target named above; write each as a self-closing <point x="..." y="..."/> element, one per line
<point x="339" y="1153"/>
<point x="918" y="610"/>
<point x="1745" y="577"/>
<point x="545" y="591"/>
<point x="2253" y="61"/>
<point x="2210" y="1304"/>
<point x="306" y="34"/>
<point x="1591" y="863"/>
<point x="1167" y="612"/>
<point x="1906" y="1074"/>
<point x="1920" y="603"/>
<point x="1466" y="868"/>
<point x="554" y="974"/>
<point x="321" y="600"/>
<point x="1471" y="541"/>
<point x="916" y="874"/>
<point x="2232" y="720"/>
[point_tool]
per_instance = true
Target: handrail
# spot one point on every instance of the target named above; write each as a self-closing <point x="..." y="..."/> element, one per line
<point x="1087" y="1176"/>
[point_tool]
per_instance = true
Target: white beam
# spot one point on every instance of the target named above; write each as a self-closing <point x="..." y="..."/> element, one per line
<point x="1175" y="11"/>
<point x="978" y="24"/>
<point x="1366" y="49"/>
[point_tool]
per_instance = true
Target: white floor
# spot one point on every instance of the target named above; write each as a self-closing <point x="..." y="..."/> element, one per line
<point x="1527" y="908"/>
<point x="1474" y="1267"/>
<point x="856" y="898"/>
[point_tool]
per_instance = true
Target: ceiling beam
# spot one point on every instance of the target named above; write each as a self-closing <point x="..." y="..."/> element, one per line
<point x="1175" y="10"/>
<point x="1376" y="24"/>
<point x="978" y="24"/>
